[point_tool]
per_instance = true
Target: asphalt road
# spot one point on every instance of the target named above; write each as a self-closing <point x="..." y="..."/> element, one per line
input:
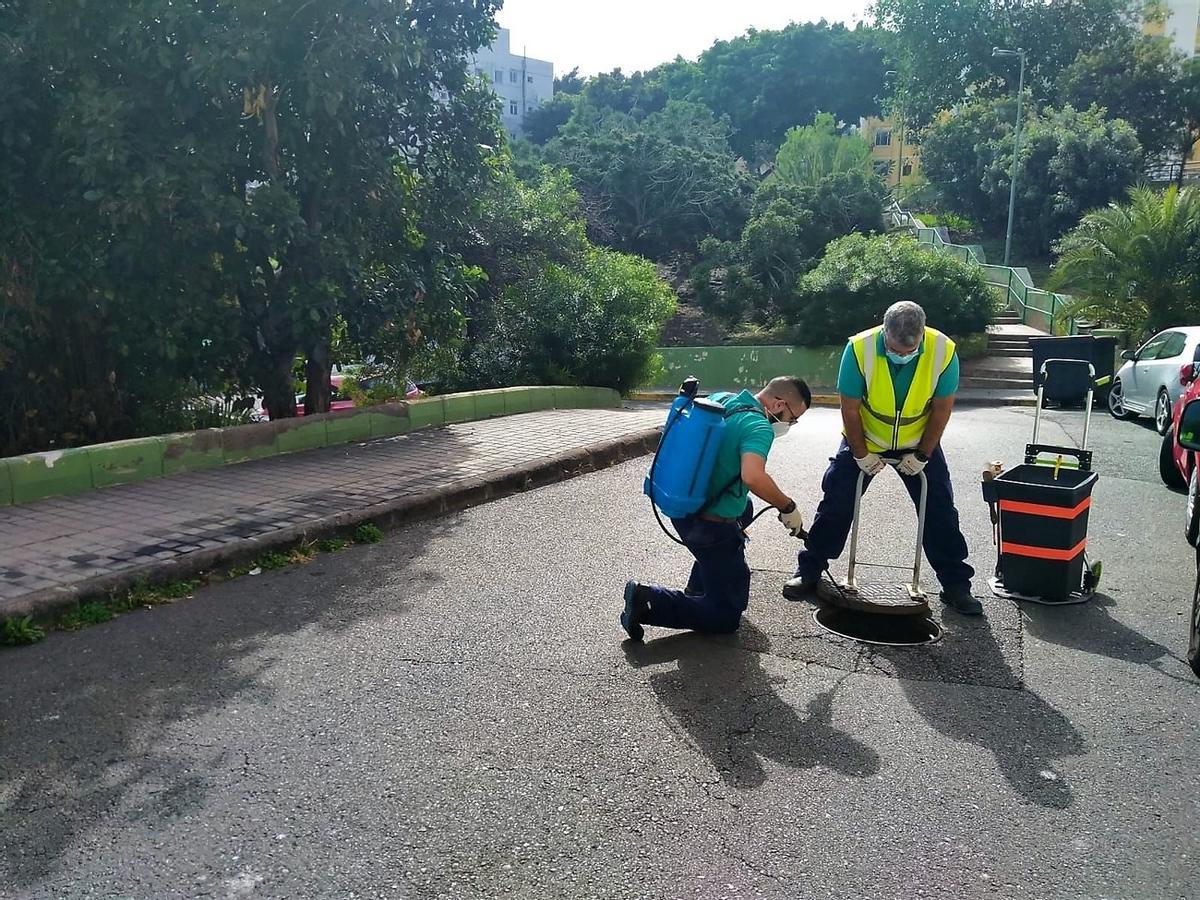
<point x="452" y="713"/>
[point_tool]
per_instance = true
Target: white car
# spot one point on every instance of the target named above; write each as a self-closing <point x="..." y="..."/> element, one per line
<point x="1149" y="384"/>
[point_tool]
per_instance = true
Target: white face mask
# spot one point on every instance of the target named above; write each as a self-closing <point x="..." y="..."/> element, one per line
<point x="781" y="428"/>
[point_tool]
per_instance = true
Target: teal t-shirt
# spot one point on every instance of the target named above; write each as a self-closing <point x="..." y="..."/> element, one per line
<point x="852" y="384"/>
<point x="745" y="432"/>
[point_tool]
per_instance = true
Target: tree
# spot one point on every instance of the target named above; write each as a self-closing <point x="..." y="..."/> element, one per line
<point x="661" y="188"/>
<point x="228" y="181"/>
<point x="1071" y="162"/>
<point x="1133" y="77"/>
<point x="571" y="83"/>
<point x="1135" y="265"/>
<point x="770" y="81"/>
<point x="543" y="122"/>
<point x="344" y="132"/>
<point x="941" y="49"/>
<point x="110" y="309"/>
<point x="860" y="277"/>
<point x="813" y="152"/>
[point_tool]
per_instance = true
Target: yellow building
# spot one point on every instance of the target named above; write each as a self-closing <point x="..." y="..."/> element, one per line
<point x="1179" y="22"/>
<point x="894" y="146"/>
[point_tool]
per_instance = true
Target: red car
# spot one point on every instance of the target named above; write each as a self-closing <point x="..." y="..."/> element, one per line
<point x="1177" y="465"/>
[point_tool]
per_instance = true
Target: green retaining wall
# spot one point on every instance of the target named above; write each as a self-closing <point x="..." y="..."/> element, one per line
<point x="36" y="476"/>
<point x="730" y="368"/>
<point x="733" y="368"/>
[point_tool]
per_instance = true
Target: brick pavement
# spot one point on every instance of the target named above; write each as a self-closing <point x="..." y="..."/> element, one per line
<point x="62" y="543"/>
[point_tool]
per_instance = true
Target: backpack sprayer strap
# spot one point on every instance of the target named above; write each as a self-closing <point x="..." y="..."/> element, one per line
<point x="736" y="479"/>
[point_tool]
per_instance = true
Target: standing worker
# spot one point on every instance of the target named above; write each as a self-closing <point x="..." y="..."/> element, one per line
<point x="718" y="590"/>
<point x="897" y="385"/>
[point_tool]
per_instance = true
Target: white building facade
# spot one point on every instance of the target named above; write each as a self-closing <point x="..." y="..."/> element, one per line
<point x="521" y="84"/>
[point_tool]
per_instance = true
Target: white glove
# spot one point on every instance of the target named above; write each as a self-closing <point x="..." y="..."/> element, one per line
<point x="793" y="521"/>
<point x="872" y="463"/>
<point x="911" y="465"/>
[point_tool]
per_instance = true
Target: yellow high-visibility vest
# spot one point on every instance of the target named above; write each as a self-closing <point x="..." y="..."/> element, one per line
<point x="886" y="427"/>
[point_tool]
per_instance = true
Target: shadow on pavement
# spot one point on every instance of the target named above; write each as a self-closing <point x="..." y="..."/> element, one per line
<point x="1091" y="628"/>
<point x="1025" y="733"/>
<point x="729" y="706"/>
<point x="100" y="727"/>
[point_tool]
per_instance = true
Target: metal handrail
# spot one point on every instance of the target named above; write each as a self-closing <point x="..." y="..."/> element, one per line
<point x="933" y="238"/>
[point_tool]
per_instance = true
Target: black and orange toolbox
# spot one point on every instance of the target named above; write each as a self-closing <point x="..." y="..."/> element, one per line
<point x="1040" y="508"/>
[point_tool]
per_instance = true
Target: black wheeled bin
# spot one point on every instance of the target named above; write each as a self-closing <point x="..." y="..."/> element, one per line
<point x="1043" y="528"/>
<point x="1099" y="351"/>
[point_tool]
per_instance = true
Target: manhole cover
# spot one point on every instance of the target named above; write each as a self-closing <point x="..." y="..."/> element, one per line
<point x="892" y="631"/>
<point x="881" y="599"/>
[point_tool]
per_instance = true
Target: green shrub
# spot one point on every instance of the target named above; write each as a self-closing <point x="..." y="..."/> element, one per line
<point x="368" y="533"/>
<point x="596" y="324"/>
<point x="860" y="277"/>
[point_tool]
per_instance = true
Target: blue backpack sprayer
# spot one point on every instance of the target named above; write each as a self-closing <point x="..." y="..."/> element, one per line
<point x="682" y="468"/>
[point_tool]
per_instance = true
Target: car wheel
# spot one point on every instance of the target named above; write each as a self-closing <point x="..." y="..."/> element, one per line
<point x="1162" y="411"/>
<point x="1194" y="630"/>
<point x="1191" y="525"/>
<point x="1116" y="401"/>
<point x="1167" y="470"/>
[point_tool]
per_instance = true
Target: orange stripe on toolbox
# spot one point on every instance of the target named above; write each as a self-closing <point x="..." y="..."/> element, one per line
<point x="1041" y="509"/>
<point x="1043" y="552"/>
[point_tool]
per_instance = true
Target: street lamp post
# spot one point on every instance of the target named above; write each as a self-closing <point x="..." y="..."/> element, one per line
<point x="1012" y="181"/>
<point x="897" y="118"/>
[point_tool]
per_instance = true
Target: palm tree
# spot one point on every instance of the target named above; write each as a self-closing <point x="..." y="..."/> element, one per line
<point x="1135" y="265"/>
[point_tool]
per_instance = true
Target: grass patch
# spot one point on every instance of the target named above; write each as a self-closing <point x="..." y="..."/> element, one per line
<point x="367" y="533"/>
<point x="16" y="632"/>
<point x="333" y="545"/>
<point x="269" y="562"/>
<point x="94" y="612"/>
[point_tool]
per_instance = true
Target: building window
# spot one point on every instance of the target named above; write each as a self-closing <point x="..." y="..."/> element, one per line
<point x="907" y="170"/>
<point x="514" y="77"/>
<point x="529" y="78"/>
<point x="512" y="107"/>
<point x="883" y="138"/>
<point x="499" y="76"/>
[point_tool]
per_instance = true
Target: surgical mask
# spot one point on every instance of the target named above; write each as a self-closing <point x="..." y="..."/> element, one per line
<point x="905" y="359"/>
<point x="781" y="428"/>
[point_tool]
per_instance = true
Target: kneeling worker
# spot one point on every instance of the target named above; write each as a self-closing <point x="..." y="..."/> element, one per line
<point x="897" y="385"/>
<point x="719" y="587"/>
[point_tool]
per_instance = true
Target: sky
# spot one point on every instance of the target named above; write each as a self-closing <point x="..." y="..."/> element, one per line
<point x="601" y="35"/>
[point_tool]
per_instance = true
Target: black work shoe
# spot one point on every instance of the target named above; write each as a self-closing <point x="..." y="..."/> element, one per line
<point x="961" y="601"/>
<point x="802" y="587"/>
<point x="635" y="609"/>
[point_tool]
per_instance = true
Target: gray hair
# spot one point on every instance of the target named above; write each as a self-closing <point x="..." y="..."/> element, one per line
<point x="904" y="323"/>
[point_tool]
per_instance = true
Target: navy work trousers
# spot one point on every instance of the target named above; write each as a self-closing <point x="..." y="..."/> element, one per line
<point x="945" y="546"/>
<point x="719" y="587"/>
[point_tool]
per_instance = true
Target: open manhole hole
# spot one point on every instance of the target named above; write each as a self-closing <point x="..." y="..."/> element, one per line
<point x="892" y="631"/>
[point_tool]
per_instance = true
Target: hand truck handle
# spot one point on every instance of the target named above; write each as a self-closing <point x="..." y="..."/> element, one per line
<point x="1033" y="451"/>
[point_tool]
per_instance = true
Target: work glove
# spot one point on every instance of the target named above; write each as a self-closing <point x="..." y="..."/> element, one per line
<point x="872" y="463"/>
<point x="911" y="464"/>
<point x="792" y="520"/>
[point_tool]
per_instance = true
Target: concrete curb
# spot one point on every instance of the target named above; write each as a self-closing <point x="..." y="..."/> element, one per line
<point x="45" y="605"/>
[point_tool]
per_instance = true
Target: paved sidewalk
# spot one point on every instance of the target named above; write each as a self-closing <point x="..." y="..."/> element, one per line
<point x="55" y="551"/>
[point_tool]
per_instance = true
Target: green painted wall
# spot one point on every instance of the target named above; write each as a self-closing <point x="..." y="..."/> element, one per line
<point x="730" y="368"/>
